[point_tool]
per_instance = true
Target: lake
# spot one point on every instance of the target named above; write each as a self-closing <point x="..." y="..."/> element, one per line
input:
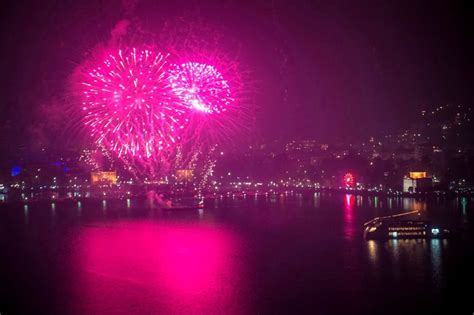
<point x="269" y="254"/>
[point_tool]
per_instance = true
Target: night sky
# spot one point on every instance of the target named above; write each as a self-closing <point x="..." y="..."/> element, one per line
<point x="326" y="70"/>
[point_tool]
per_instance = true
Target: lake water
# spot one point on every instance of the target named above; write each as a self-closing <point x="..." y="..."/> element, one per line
<point x="276" y="254"/>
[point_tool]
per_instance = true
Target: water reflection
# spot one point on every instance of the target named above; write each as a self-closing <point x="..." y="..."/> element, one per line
<point x="411" y="204"/>
<point x="359" y="201"/>
<point x="464" y="209"/>
<point x="53" y="213"/>
<point x="435" y="248"/>
<point x="317" y="199"/>
<point x="372" y="251"/>
<point x="401" y="256"/>
<point x="349" y="223"/>
<point x="178" y="268"/>
<point x="235" y="257"/>
<point x="26" y="213"/>
<point x="392" y="203"/>
<point x="300" y="199"/>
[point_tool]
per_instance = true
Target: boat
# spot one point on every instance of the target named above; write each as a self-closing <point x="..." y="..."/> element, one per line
<point x="397" y="227"/>
<point x="179" y="208"/>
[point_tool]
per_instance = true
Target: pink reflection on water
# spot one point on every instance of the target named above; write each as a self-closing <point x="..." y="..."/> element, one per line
<point x="157" y="268"/>
<point x="349" y="224"/>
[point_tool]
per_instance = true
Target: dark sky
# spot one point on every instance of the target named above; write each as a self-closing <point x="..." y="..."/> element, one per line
<point x="329" y="70"/>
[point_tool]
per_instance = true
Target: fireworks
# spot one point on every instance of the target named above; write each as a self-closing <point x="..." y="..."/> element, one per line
<point x="129" y="107"/>
<point x="155" y="112"/>
<point x="201" y="87"/>
<point x="208" y="97"/>
<point x="348" y="180"/>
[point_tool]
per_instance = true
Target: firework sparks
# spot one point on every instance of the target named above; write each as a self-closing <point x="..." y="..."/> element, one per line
<point x="201" y="87"/>
<point x="129" y="107"/>
<point x="155" y="113"/>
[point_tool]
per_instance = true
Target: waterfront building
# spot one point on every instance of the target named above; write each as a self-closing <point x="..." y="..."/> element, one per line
<point x="417" y="181"/>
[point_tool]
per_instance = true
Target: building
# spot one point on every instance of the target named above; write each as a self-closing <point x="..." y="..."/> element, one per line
<point x="104" y="178"/>
<point x="184" y="176"/>
<point x="417" y="181"/>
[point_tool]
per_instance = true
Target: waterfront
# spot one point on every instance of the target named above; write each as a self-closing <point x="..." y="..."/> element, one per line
<point x="284" y="253"/>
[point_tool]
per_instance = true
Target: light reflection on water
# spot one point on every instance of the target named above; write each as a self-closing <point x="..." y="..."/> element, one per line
<point x="349" y="222"/>
<point x="26" y="213"/>
<point x="411" y="204"/>
<point x="372" y="251"/>
<point x="415" y="256"/>
<point x="317" y="199"/>
<point x="360" y="201"/>
<point x="436" y="259"/>
<point x="192" y="268"/>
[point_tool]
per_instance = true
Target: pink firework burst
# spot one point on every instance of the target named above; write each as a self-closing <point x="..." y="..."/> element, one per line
<point x="129" y="107"/>
<point x="201" y="87"/>
<point x="209" y="98"/>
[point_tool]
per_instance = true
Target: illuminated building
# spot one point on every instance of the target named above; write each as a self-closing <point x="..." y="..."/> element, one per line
<point x="418" y="175"/>
<point x="107" y="178"/>
<point x="16" y="170"/>
<point x="184" y="175"/>
<point x="301" y="146"/>
<point x="416" y="182"/>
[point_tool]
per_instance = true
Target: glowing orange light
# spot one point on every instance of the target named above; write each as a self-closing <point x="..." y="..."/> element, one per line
<point x="104" y="178"/>
<point x="418" y="175"/>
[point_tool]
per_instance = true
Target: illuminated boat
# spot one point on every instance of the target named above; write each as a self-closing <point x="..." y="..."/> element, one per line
<point x="394" y="227"/>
